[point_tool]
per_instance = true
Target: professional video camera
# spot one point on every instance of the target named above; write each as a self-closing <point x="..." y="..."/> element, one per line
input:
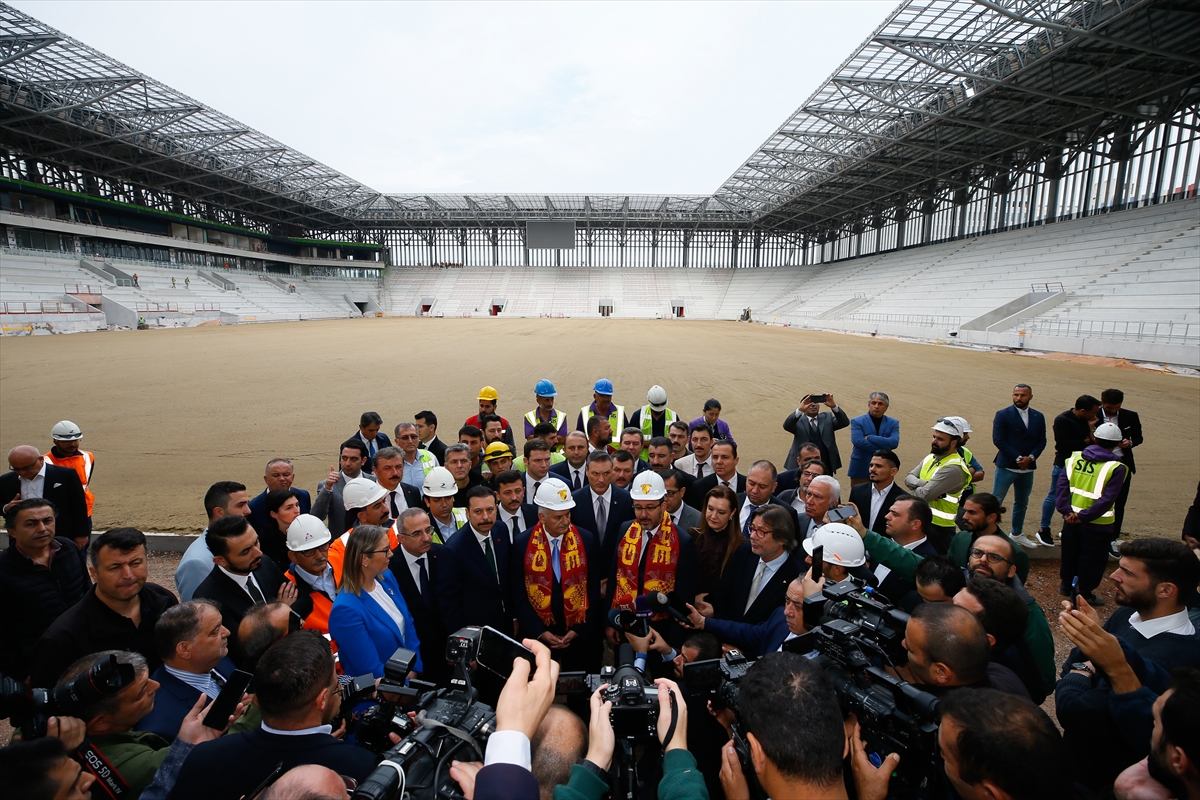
<point x="30" y="709"/>
<point x="446" y="721"/>
<point x="857" y="636"/>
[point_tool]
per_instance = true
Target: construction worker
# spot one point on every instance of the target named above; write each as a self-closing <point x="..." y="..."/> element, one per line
<point x="497" y="457"/>
<point x="488" y="400"/>
<point x="65" y="452"/>
<point x="654" y="418"/>
<point x="1086" y="496"/>
<point x="366" y="504"/>
<point x="440" y="489"/>
<point x="545" y="393"/>
<point x="973" y="465"/>
<point x="940" y="479"/>
<point x="602" y="404"/>
<point x="308" y="551"/>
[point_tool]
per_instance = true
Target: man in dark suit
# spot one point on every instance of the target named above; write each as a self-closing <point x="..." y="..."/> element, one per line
<point x="724" y="459"/>
<point x="1131" y="431"/>
<point x="601" y="499"/>
<point x="760" y="491"/>
<point x="676" y="483"/>
<point x="296" y="688"/>
<point x="1019" y="433"/>
<point x="389" y="473"/>
<point x="558" y="561"/>
<point x="873" y="499"/>
<point x="786" y="622"/>
<point x="427" y="429"/>
<point x="279" y="474"/>
<point x="472" y="588"/>
<point x="517" y="516"/>
<point x="415" y="565"/>
<point x="908" y="521"/>
<point x="575" y="448"/>
<point x="329" y="504"/>
<point x="806" y="425"/>
<point x="756" y="578"/>
<point x="31" y="477"/>
<point x="241" y="578"/>
<point x="369" y="434"/>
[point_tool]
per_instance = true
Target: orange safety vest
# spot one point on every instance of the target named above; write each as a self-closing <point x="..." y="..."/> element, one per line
<point x="337" y="551"/>
<point x="82" y="462"/>
<point x="318" y="620"/>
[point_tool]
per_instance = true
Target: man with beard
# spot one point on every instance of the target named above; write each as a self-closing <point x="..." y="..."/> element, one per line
<point x="875" y="497"/>
<point x="1173" y="767"/>
<point x="939" y="479"/>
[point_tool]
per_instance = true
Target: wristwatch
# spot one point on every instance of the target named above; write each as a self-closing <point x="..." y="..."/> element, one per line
<point x="1083" y="666"/>
<point x="594" y="769"/>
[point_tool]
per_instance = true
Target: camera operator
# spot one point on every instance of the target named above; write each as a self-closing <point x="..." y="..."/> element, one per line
<point x="1004" y="616"/>
<point x="43" y="770"/>
<point x="296" y="689"/>
<point x="948" y="649"/>
<point x="794" y="730"/>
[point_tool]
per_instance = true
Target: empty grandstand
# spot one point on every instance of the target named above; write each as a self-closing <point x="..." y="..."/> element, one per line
<point x="1000" y="173"/>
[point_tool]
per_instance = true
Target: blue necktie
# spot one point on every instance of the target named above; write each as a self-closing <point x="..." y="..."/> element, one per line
<point x="557" y="567"/>
<point x="749" y="516"/>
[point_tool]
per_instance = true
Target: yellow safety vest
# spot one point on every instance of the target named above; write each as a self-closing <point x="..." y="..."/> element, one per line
<point x="647" y="421"/>
<point x="616" y="420"/>
<point x="945" y="508"/>
<point x="967" y="455"/>
<point x="1088" y="483"/>
<point x="428" y="460"/>
<point x="559" y="419"/>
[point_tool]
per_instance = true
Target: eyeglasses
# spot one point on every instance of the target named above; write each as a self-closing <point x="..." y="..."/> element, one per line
<point x="312" y="551"/>
<point x="761" y="532"/>
<point x="423" y="532"/>
<point x="373" y="552"/>
<point x="991" y="558"/>
<point x="811" y="474"/>
<point x="674" y="491"/>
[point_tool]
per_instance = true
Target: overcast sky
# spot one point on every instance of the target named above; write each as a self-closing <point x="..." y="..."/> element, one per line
<point x="492" y="97"/>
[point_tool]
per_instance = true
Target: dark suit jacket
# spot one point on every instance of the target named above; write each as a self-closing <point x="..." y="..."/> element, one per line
<point x="753" y="640"/>
<point x="330" y="506"/>
<point x="562" y="470"/>
<point x="412" y="496"/>
<point x="729" y="600"/>
<point x="234" y="600"/>
<point x="788" y="479"/>
<point x="231" y="766"/>
<point x="424" y="610"/>
<point x="438" y="448"/>
<point x="61" y="487"/>
<point x="827" y="423"/>
<point x="1013" y="439"/>
<point x="529" y="514"/>
<point x="467" y="591"/>
<point x="699" y="490"/>
<point x="530" y="624"/>
<point x="1130" y="425"/>
<point x="261" y="520"/>
<point x="620" y="511"/>
<point x="861" y="497"/>
<point x="685" y="581"/>
<point x="173" y="701"/>
<point x="381" y="441"/>
<point x="774" y="501"/>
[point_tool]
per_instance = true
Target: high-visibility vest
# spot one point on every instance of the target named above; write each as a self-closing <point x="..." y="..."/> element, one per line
<point x="427" y="459"/>
<point x="460" y="516"/>
<point x="82" y="462"/>
<point x="559" y="420"/>
<point x="967" y="455"/>
<point x="1088" y="480"/>
<point x="318" y="619"/>
<point x="616" y="420"/>
<point x="647" y="421"/>
<point x="945" y="508"/>
<point x="337" y="550"/>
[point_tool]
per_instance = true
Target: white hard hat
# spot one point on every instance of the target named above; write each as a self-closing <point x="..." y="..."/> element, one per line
<point x="657" y="398"/>
<point x="1109" y="432"/>
<point x="843" y="546"/>
<point x="307" y="532"/>
<point x="361" y="492"/>
<point x="66" y="431"/>
<point x="439" y="483"/>
<point x="553" y="495"/>
<point x="647" y="485"/>
<point x="948" y="425"/>
<point x="962" y="424"/>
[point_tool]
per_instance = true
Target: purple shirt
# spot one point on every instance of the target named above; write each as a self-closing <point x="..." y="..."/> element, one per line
<point x="1112" y="489"/>
<point x="722" y="428"/>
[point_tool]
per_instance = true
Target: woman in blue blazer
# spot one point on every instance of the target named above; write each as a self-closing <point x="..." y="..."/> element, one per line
<point x="870" y="432"/>
<point x="370" y="619"/>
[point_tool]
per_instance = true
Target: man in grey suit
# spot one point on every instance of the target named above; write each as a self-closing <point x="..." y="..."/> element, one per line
<point x="684" y="516"/>
<point x="328" y="503"/>
<point x="805" y="425"/>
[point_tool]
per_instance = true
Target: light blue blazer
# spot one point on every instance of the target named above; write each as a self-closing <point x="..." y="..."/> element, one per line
<point x="866" y="441"/>
<point x="366" y="636"/>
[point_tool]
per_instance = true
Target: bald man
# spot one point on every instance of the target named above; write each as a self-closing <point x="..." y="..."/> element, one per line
<point x="32" y="476"/>
<point x="310" y="782"/>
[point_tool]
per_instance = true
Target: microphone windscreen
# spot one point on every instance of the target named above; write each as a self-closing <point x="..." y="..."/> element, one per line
<point x="641" y="605"/>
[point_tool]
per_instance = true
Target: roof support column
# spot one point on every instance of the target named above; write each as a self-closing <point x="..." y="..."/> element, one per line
<point x="1053" y="172"/>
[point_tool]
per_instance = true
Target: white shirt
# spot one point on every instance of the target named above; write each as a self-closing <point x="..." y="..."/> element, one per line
<point x="530" y="486"/>
<point x="397" y="494"/>
<point x="1116" y="451"/>
<point x="730" y="484"/>
<point x="572" y="472"/>
<point x="744" y="514"/>
<point x="414" y="567"/>
<point x="514" y="522"/>
<point x="380" y="595"/>
<point x="242" y="580"/>
<point x="882" y="572"/>
<point x="35" y="486"/>
<point x="788" y="638"/>
<point x="508" y="747"/>
<point x="1172" y="623"/>
<point x="708" y="470"/>
<point x="482" y="538"/>
<point x="302" y="731"/>
<point x="769" y="570"/>
<point x="877" y="498"/>
<point x="607" y="496"/>
<point x="647" y="535"/>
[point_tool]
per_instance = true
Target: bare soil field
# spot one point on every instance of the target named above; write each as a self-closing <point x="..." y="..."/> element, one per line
<point x="169" y="412"/>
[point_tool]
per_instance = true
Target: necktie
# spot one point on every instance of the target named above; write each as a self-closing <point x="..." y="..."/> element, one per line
<point x="700" y="469"/>
<point x="253" y="591"/>
<point x="601" y="518"/>
<point x="491" y="557"/>
<point x="514" y="525"/>
<point x="749" y="516"/>
<point x="576" y="484"/>
<point x="392" y="502"/>
<point x="371" y="447"/>
<point x="813" y="420"/>
<point x="554" y="562"/>
<point x="756" y="584"/>
<point x="424" y="578"/>
<point x="536" y="484"/>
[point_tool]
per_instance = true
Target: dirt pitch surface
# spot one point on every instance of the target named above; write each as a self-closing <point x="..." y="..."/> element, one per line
<point x="169" y="412"/>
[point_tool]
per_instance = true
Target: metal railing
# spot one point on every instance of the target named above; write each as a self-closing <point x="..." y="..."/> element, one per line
<point x="44" y="307"/>
<point x="913" y="320"/>
<point x="82" y="288"/>
<point x="154" y="307"/>
<point x="1054" y="287"/>
<point x="1128" y="331"/>
<point x="206" y="307"/>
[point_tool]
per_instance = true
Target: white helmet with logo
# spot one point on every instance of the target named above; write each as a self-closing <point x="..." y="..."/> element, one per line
<point x="439" y="483"/>
<point x="843" y="546"/>
<point x="66" y="431"/>
<point x="647" y="485"/>
<point x="657" y="398"/>
<point x="554" y="495"/>
<point x="1109" y="432"/>
<point x="361" y="492"/>
<point x="307" y="532"/>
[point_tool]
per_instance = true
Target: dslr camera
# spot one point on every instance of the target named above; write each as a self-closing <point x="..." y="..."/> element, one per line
<point x="30" y="709"/>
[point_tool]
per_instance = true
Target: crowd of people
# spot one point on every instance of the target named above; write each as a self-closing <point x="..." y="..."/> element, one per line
<point x="409" y="538"/>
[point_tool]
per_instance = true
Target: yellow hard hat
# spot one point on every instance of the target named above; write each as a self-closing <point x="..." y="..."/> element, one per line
<point x="489" y="394"/>
<point x="497" y="450"/>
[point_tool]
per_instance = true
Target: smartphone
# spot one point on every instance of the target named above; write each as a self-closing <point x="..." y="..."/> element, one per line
<point x="816" y="398"/>
<point x="818" y="561"/>
<point x="1075" y="592"/>
<point x="497" y="651"/>
<point x="236" y="686"/>
<point x="840" y="513"/>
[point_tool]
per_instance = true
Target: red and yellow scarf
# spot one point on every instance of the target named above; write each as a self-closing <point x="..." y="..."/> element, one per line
<point x="539" y="576"/>
<point x="660" y="566"/>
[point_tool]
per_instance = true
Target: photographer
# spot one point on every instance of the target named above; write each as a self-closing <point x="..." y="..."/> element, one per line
<point x="43" y="770"/>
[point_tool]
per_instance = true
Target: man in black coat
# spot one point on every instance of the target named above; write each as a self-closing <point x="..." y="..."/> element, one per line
<point x="806" y="425"/>
<point x="756" y="578"/>
<point x="415" y="563"/>
<point x="472" y="588"/>
<point x="724" y="459"/>
<point x="600" y="492"/>
<point x="875" y="498"/>
<point x="760" y="492"/>
<point x="279" y="474"/>
<point x="31" y="476"/>
<point x="41" y="576"/>
<point x="1131" y="433"/>
<point x="296" y="688"/>
<point x="241" y="578"/>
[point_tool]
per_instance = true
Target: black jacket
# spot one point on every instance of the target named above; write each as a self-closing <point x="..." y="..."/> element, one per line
<point x="729" y="600"/>
<point x="32" y="597"/>
<point x="235" y="603"/>
<point x="467" y="591"/>
<point x="861" y="497"/>
<point x="424" y="610"/>
<point x="61" y="487"/>
<point x="699" y="490"/>
<point x="1131" y="427"/>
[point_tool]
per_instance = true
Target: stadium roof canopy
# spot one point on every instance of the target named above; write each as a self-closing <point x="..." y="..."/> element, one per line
<point x="946" y="95"/>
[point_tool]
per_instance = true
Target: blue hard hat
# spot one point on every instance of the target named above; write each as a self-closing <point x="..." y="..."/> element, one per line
<point x="603" y="386"/>
<point x="545" y="388"/>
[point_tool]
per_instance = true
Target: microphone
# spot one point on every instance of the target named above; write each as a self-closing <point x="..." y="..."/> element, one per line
<point x="659" y="602"/>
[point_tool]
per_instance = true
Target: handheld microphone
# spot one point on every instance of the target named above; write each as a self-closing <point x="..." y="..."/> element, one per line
<point x="642" y="613"/>
<point x="660" y="603"/>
